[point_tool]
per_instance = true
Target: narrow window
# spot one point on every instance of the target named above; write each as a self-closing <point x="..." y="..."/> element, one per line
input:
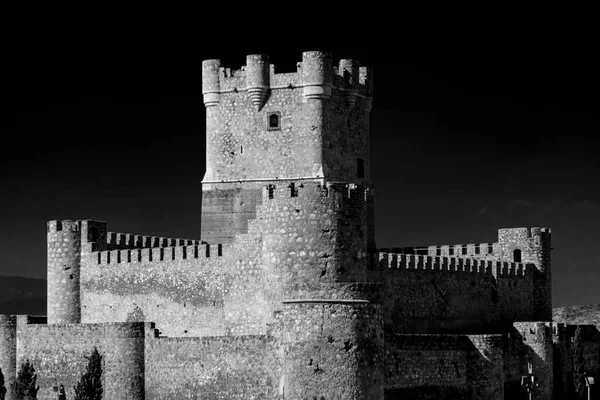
<point x="274" y="121"/>
<point x="517" y="256"/>
<point x="360" y="168"/>
<point x="293" y="190"/>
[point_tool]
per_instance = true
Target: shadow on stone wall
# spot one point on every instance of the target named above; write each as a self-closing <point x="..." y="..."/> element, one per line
<point x="427" y="393"/>
<point x="480" y="356"/>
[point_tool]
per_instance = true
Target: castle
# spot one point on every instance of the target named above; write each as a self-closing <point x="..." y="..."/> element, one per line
<point x="285" y="295"/>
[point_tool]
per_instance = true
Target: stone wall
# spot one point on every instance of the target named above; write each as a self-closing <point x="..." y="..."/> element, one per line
<point x="443" y="366"/>
<point x="534" y="246"/>
<point x="192" y="290"/>
<point x="226" y="210"/>
<point x="322" y="114"/>
<point x="425" y="294"/>
<point x="58" y="353"/>
<point x="232" y="367"/>
<point x="333" y="349"/>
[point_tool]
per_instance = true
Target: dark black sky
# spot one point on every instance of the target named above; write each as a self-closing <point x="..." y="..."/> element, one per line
<point x="473" y="129"/>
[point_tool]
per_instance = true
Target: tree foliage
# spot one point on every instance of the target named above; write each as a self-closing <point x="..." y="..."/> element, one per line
<point x="89" y="386"/>
<point x="578" y="363"/>
<point x="2" y="387"/>
<point x="25" y="386"/>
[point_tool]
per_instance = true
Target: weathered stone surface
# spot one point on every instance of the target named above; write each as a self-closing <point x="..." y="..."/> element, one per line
<point x="285" y="295"/>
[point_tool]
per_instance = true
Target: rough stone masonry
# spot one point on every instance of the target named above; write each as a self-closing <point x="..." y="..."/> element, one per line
<point x="285" y="295"/>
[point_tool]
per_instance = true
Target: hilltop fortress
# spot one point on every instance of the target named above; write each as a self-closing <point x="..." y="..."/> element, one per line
<point x="285" y="295"/>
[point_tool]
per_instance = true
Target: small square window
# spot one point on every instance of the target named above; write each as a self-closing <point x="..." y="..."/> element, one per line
<point x="274" y="121"/>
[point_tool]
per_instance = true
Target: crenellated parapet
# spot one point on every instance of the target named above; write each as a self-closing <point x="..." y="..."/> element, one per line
<point x="169" y="253"/>
<point x="453" y="264"/>
<point x="479" y="250"/>
<point x="315" y="75"/>
<point x="115" y="240"/>
<point x="94" y="236"/>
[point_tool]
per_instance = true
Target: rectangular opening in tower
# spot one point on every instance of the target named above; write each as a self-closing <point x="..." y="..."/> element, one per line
<point x="360" y="168"/>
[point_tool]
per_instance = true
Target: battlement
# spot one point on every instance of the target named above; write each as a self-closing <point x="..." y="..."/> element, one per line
<point x="95" y="237"/>
<point x="316" y="75"/>
<point x="154" y="254"/>
<point x="115" y="240"/>
<point x="524" y="232"/>
<point x="453" y="264"/>
<point x="468" y="250"/>
<point x="481" y="250"/>
<point x="64" y="225"/>
<point x="451" y="250"/>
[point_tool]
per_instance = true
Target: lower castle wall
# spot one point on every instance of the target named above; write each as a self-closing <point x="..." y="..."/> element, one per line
<point x="426" y="366"/>
<point x="209" y="368"/>
<point x="185" y="295"/>
<point x="58" y="353"/>
<point x="443" y="366"/>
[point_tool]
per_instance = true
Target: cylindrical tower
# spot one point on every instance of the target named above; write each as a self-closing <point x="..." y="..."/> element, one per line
<point x="314" y="244"/>
<point x="349" y="70"/>
<point x="124" y="361"/>
<point x="315" y="237"/>
<point x="332" y="350"/>
<point x="317" y="74"/>
<point x="531" y="246"/>
<point x="210" y="82"/>
<point x="211" y="92"/>
<point x="538" y="350"/>
<point x="257" y="78"/>
<point x="541" y="250"/>
<point x="64" y="260"/>
<point x="8" y="352"/>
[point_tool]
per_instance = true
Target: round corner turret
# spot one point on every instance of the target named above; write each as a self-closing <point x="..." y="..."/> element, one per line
<point x="63" y="269"/>
<point x="210" y="82"/>
<point x="317" y="74"/>
<point x="349" y="70"/>
<point x="258" y="71"/>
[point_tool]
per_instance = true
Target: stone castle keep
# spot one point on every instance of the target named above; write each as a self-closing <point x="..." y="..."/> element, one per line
<point x="285" y="295"/>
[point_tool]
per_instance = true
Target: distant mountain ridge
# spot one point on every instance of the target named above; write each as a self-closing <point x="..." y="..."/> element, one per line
<point x="20" y="295"/>
<point x="578" y="315"/>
